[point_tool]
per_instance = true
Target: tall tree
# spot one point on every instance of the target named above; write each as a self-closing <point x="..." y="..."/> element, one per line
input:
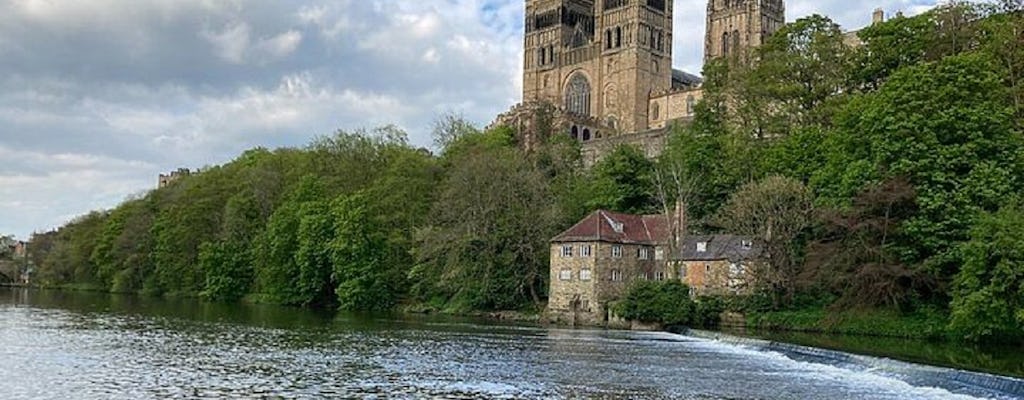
<point x="776" y="211"/>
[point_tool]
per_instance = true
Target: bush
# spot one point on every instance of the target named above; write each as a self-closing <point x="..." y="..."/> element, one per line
<point x="668" y="303"/>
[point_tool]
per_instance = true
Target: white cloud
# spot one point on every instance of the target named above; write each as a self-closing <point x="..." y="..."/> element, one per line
<point x="231" y="42"/>
<point x="98" y="97"/>
<point x="281" y="45"/>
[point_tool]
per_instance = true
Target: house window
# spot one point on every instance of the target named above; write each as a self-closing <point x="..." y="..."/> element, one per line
<point x="702" y="247"/>
<point x="659" y="254"/>
<point x="690" y="104"/>
<point x="659" y="276"/>
<point x="735" y="269"/>
<point x="647" y="276"/>
<point x="585" y="275"/>
<point x="707" y="268"/>
<point x="586" y="251"/>
<point x="616" y="275"/>
<point x="643" y="253"/>
<point x="567" y="251"/>
<point x="617" y="251"/>
<point x="565" y="275"/>
<point x="682" y="272"/>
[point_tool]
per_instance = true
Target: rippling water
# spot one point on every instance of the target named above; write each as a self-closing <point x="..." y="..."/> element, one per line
<point x="78" y="346"/>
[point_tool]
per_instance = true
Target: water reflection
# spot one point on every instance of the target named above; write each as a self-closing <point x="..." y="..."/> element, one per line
<point x="95" y="346"/>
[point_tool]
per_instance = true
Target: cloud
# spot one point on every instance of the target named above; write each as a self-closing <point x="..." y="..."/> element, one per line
<point x="98" y="97"/>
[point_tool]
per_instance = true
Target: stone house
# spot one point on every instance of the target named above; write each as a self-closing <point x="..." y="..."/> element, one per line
<point x="719" y="265"/>
<point x="594" y="262"/>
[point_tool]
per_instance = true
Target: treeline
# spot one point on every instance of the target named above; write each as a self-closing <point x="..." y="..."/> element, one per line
<point x="357" y="220"/>
<point x="885" y="176"/>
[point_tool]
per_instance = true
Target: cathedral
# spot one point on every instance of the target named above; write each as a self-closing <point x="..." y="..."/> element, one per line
<point x="607" y="64"/>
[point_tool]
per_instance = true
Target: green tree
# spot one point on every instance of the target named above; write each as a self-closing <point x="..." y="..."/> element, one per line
<point x="948" y="128"/>
<point x="623" y="182"/>
<point x="777" y="211"/>
<point x="988" y="292"/>
<point x="485" y="244"/>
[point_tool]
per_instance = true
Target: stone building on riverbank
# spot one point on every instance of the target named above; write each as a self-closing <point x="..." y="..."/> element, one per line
<point x="595" y="262"/>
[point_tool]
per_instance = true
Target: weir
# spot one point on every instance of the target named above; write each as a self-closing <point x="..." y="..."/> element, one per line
<point x="920" y="375"/>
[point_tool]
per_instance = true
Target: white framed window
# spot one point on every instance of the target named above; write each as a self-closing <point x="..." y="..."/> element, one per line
<point x="585" y="274"/>
<point x="567" y="251"/>
<point x="565" y="275"/>
<point x="659" y="276"/>
<point x="586" y="250"/>
<point x="659" y="253"/>
<point x="616" y="275"/>
<point x="617" y="251"/>
<point x="702" y="247"/>
<point x="647" y="276"/>
<point x="643" y="253"/>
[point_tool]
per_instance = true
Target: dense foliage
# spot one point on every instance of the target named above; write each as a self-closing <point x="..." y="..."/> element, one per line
<point x="883" y="177"/>
<point x="668" y="303"/>
<point x="906" y="147"/>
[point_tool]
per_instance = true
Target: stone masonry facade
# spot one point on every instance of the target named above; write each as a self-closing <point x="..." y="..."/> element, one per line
<point x="606" y="65"/>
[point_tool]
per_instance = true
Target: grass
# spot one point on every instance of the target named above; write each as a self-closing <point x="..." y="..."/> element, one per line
<point x="925" y="324"/>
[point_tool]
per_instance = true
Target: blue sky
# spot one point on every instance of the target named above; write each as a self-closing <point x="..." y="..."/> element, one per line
<point x="97" y="98"/>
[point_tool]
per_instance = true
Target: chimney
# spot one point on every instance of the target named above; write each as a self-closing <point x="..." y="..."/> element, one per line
<point x="878" y="16"/>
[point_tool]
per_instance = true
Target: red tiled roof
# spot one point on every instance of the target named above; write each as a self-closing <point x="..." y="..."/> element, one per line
<point x="612" y="227"/>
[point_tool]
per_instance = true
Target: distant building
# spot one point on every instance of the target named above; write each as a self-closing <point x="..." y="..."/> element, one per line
<point x="19" y="250"/>
<point x="594" y="263"/>
<point x="606" y="66"/>
<point x="173" y="176"/>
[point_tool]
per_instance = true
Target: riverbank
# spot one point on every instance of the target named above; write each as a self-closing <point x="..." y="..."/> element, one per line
<point x="922" y="325"/>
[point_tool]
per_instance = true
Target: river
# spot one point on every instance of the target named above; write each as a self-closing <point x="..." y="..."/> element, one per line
<point x="64" y="345"/>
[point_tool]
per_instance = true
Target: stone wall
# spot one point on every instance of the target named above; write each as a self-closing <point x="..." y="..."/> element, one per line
<point x="717" y="278"/>
<point x="652" y="143"/>
<point x="578" y="302"/>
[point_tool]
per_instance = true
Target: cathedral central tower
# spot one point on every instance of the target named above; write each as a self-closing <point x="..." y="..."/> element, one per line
<point x="598" y="60"/>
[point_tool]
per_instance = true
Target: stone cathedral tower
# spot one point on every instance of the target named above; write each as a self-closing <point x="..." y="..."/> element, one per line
<point x="600" y="60"/>
<point x="734" y="26"/>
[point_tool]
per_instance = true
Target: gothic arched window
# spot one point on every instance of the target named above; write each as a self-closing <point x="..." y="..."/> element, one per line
<point x="618" y="37"/>
<point x="577" y="95"/>
<point x="725" y="43"/>
<point x="689" y="104"/>
<point x="655" y="111"/>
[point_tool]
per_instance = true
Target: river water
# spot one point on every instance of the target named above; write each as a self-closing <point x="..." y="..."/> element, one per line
<point x="59" y="345"/>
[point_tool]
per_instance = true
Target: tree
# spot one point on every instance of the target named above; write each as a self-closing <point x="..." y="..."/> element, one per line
<point x="623" y="182"/>
<point x="988" y="293"/>
<point x="851" y="255"/>
<point x="777" y="211"/>
<point x="485" y="243"/>
<point x="960" y="159"/>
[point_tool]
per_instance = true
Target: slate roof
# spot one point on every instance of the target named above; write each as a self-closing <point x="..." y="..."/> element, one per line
<point x="720" y="247"/>
<point x="612" y="227"/>
<point x="683" y="79"/>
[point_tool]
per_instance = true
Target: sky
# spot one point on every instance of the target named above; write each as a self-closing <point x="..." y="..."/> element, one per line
<point x="99" y="97"/>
